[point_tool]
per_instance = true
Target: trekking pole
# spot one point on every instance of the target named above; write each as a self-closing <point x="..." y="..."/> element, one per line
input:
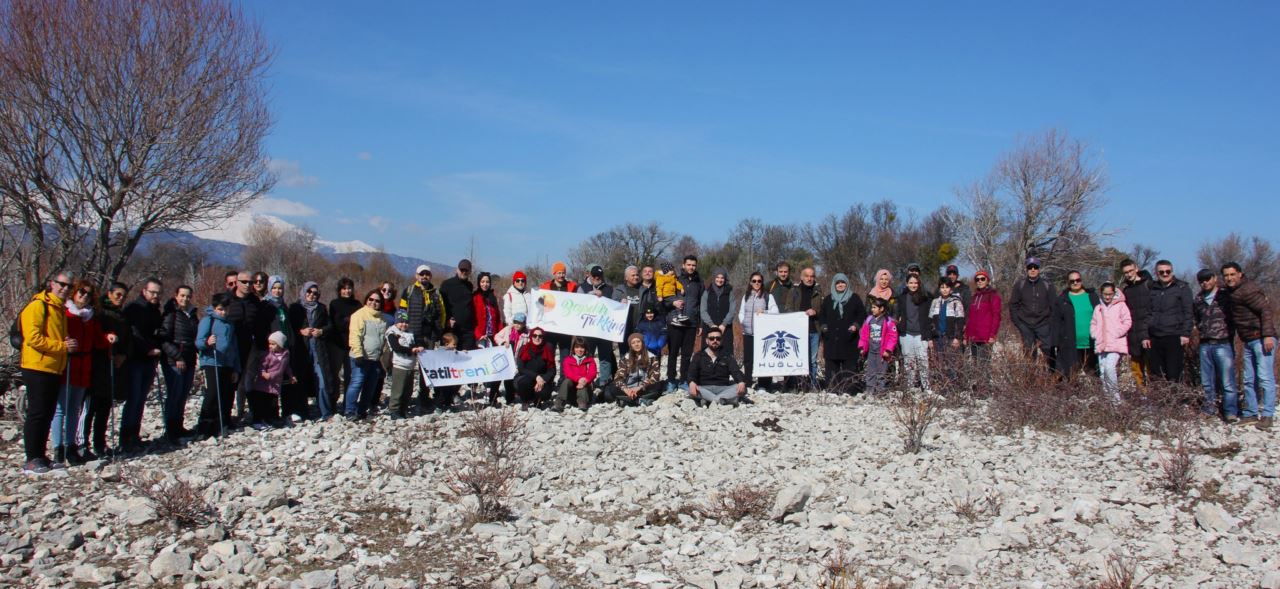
<point x="111" y="402"/>
<point x="66" y="408"/>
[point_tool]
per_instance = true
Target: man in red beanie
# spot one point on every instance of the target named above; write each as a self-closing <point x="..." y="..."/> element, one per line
<point x="983" y="324"/>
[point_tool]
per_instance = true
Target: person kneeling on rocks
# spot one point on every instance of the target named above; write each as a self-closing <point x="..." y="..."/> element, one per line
<point x="715" y="377"/>
<point x="579" y="372"/>
<point x="636" y="380"/>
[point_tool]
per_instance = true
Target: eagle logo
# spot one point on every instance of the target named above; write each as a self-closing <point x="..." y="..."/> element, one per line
<point x="782" y="344"/>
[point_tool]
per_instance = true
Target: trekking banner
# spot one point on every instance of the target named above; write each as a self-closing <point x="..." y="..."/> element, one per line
<point x="573" y="313"/>
<point x="781" y="345"/>
<point x="452" y="367"/>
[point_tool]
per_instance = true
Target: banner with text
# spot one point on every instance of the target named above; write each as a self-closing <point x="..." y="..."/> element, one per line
<point x="452" y="367"/>
<point x="581" y="314"/>
<point x="781" y="345"/>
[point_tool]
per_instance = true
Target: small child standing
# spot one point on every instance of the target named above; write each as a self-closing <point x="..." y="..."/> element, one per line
<point x="654" y="331"/>
<point x="264" y="398"/>
<point x="877" y="342"/>
<point x="404" y="353"/>
<point x="443" y="396"/>
<point x="947" y="314"/>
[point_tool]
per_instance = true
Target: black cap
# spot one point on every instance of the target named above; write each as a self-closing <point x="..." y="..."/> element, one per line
<point x="597" y="272"/>
<point x="1205" y="274"/>
<point x="952" y="269"/>
<point x="464" y="264"/>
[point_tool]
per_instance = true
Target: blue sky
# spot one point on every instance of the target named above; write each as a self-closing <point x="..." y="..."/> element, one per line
<point x="531" y="125"/>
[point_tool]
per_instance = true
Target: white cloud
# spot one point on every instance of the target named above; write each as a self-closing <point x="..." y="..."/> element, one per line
<point x="364" y="155"/>
<point x="379" y="223"/>
<point x="289" y="173"/>
<point x="283" y="207"/>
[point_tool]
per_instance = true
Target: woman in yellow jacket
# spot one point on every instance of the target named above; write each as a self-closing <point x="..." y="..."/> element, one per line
<point x="367" y="331"/>
<point x="44" y="359"/>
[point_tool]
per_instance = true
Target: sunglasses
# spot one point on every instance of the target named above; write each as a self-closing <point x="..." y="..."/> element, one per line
<point x="519" y="280"/>
<point x="385" y="289"/>
<point x="757" y="281"/>
<point x="373" y="300"/>
<point x="1033" y="267"/>
<point x="535" y="337"/>
<point x="84" y="291"/>
<point x="424" y="274"/>
<point x="980" y="279"/>
<point x="1075" y="281"/>
<point x="714" y="338"/>
<point x="313" y="292"/>
<point x="62" y="284"/>
<point x="1164" y="272"/>
<point x="243" y="281"/>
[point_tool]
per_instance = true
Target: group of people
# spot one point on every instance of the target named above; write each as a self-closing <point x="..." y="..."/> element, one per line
<point x="263" y="359"/>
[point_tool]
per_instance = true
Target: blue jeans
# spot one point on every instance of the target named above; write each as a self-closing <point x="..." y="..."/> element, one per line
<point x="813" y="359"/>
<point x="1217" y="371"/>
<point x="177" y="386"/>
<point x="142" y="373"/>
<point x="69" y="408"/>
<point x="364" y="379"/>
<point x="1259" y="376"/>
<point x="323" y="400"/>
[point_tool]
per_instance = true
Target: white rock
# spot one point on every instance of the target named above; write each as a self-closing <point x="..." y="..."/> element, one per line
<point x="790" y="500"/>
<point x="1239" y="554"/>
<point x="1211" y="517"/>
<point x="170" y="563"/>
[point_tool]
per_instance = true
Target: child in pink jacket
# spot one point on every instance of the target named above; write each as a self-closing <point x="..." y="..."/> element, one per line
<point x="264" y="396"/>
<point x="1109" y="329"/>
<point x="578" y="372"/>
<point x="877" y="342"/>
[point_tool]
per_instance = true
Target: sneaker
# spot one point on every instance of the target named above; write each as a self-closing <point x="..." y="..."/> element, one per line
<point x="262" y="427"/>
<point x="88" y="455"/>
<point x="1247" y="420"/>
<point x="671" y="386"/>
<point x="1232" y="420"/>
<point x="1264" y="423"/>
<point x="36" y="466"/>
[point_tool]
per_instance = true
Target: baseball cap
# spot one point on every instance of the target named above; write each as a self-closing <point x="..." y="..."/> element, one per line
<point x="423" y="268"/>
<point x="953" y="269"/>
<point x="519" y="318"/>
<point x="1033" y="261"/>
<point x="597" y="272"/>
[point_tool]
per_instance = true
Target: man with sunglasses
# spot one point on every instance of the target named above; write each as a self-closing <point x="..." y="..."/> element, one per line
<point x="1031" y="310"/>
<point x="245" y="313"/>
<point x="982" y="318"/>
<point x="1169" y="327"/>
<point x="715" y="377"/>
<point x="145" y="320"/>
<point x="461" y="317"/>
<point x="45" y="347"/>
<point x="1217" y="350"/>
<point x="422" y="301"/>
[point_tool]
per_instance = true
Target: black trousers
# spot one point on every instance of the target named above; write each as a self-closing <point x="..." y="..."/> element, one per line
<point x="1165" y="359"/>
<point x="612" y="393"/>
<point x="524" y="384"/>
<point x="680" y="342"/>
<point x="843" y="376"/>
<point x="265" y="407"/>
<point x="42" y="401"/>
<point x="748" y="363"/>
<point x="219" y="394"/>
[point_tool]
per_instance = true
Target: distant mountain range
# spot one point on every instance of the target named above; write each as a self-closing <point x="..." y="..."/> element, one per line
<point x="226" y="247"/>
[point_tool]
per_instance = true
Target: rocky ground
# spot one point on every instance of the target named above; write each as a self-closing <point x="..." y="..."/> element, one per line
<point x="617" y="498"/>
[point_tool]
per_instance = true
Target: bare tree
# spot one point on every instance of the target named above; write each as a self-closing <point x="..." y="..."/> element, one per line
<point x="287" y="251"/>
<point x="1144" y="255"/>
<point x="1258" y="257"/>
<point x="120" y="118"/>
<point x="1040" y="199"/>
<point x="618" y="247"/>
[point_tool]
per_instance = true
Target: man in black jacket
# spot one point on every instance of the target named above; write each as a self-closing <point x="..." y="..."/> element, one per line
<point x="1031" y="310"/>
<point x="144" y="318"/>
<point x="251" y="324"/>
<point x="1170" y="328"/>
<point x="1217" y="349"/>
<point x="806" y="298"/>
<point x="681" y="338"/>
<point x="456" y="293"/>
<point x="1137" y="296"/>
<point x="716" y="377"/>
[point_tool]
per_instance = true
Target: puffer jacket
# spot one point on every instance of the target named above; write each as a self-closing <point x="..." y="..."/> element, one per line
<point x="574" y="369"/>
<point x="1170" y="309"/>
<point x="44" y="331"/>
<point x="1211" y="317"/>
<point x="402" y="345"/>
<point x="144" y="324"/>
<point x="516" y="302"/>
<point x="1137" y="296"/>
<point x="1251" y="312"/>
<point x="367" y="330"/>
<point x="1110" y="326"/>
<point x="178" y="333"/>
<point x="955" y="316"/>
<point x="983" y="321"/>
<point x="225" y="352"/>
<point x="276" y="366"/>
<point x="1031" y="302"/>
<point x="888" y="335"/>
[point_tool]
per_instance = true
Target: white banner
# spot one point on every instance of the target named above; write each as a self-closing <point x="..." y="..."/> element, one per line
<point x="781" y="344"/>
<point x="581" y="314"/>
<point x="452" y="367"/>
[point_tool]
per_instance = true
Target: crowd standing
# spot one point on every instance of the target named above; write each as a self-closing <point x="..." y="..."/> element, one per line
<point x="265" y="358"/>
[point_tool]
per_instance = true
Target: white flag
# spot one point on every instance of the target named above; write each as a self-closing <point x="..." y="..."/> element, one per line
<point x="781" y="345"/>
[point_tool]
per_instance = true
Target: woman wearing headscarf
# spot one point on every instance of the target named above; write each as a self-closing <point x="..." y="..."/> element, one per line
<point x="535" y="370"/>
<point x="840" y="319"/>
<point x="756" y="301"/>
<point x="882" y="288"/>
<point x="278" y="309"/>
<point x="719" y="307"/>
<point x="309" y="357"/>
<point x="637" y="379"/>
<point x="488" y="316"/>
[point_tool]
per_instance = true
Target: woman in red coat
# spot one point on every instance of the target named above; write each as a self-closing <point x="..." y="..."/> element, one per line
<point x="84" y="327"/>
<point x="488" y="321"/>
<point x="983" y="322"/>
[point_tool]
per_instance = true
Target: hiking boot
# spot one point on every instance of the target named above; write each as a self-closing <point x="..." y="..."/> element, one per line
<point x="1232" y="419"/>
<point x="36" y="466"/>
<point x="1264" y="423"/>
<point x="74" y="458"/>
<point x="1247" y="420"/>
<point x="59" y="454"/>
<point x="88" y="455"/>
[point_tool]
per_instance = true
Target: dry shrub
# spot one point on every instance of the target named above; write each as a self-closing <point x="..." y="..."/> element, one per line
<point x="841" y="571"/>
<point x="175" y="500"/>
<point x="970" y="507"/>
<point x="1121" y="572"/>
<point x="668" y="516"/>
<point x="406" y="454"/>
<point x="1176" y="467"/>
<point x="739" y="501"/>
<point x="490" y="471"/>
<point x="914" y="412"/>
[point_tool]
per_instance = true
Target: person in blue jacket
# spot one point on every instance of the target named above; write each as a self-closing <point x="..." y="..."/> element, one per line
<point x="220" y="359"/>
